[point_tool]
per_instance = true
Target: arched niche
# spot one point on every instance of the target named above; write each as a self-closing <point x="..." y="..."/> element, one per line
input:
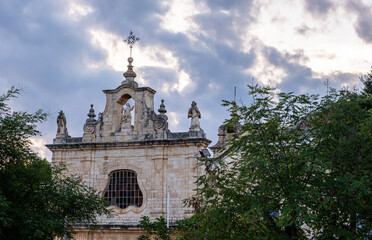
<point x="123" y="99"/>
<point x="126" y="109"/>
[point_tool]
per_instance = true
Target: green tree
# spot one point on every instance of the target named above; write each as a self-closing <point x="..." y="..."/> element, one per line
<point x="300" y="168"/>
<point x="36" y="200"/>
<point x="366" y="79"/>
<point x="157" y="229"/>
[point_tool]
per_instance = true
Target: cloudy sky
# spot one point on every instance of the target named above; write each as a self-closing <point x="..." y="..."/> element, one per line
<point x="63" y="53"/>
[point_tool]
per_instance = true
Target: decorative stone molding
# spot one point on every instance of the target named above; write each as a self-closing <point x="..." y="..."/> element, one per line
<point x="140" y="182"/>
<point x="90" y="126"/>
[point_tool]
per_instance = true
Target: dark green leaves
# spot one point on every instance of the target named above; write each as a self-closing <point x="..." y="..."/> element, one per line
<point x="299" y="168"/>
<point x="155" y="230"/>
<point x="36" y="200"/>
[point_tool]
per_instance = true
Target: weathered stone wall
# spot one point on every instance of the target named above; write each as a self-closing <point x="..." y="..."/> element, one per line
<point x="160" y="158"/>
<point x="157" y="166"/>
<point x="108" y="234"/>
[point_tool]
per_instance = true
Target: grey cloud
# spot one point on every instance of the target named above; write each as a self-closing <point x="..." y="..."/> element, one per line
<point x="283" y="59"/>
<point x="50" y="64"/>
<point x="223" y="4"/>
<point x="232" y="57"/>
<point x="299" y="77"/>
<point x="319" y="7"/>
<point x="364" y="28"/>
<point x="45" y="53"/>
<point x="122" y="16"/>
<point x="337" y="79"/>
<point x="363" y="25"/>
<point x="221" y="68"/>
<point x="224" y="26"/>
<point x="303" y="30"/>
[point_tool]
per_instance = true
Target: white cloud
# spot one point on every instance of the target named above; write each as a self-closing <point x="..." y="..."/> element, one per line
<point x="110" y="43"/>
<point x="38" y="145"/>
<point x="278" y="25"/>
<point x="264" y="72"/>
<point x="213" y="86"/>
<point x="179" y="17"/>
<point x="184" y="84"/>
<point x="173" y="121"/>
<point x="118" y="52"/>
<point x="77" y="10"/>
<point x="145" y="56"/>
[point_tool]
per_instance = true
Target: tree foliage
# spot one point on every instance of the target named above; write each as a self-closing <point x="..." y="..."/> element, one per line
<point x="155" y="230"/>
<point x="366" y="79"/>
<point x="36" y="200"/>
<point x="300" y="168"/>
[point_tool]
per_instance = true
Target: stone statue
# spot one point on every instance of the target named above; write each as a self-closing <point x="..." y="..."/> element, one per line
<point x="61" y="125"/>
<point x="126" y="116"/>
<point x="195" y="115"/>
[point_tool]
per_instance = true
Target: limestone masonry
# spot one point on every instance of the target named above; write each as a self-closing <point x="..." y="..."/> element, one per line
<point x="130" y="156"/>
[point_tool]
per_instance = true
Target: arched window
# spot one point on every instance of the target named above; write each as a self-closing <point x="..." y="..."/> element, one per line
<point x="123" y="190"/>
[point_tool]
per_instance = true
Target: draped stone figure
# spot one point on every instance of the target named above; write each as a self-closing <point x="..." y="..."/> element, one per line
<point x="61" y="125"/>
<point x="126" y="116"/>
<point x="195" y="115"/>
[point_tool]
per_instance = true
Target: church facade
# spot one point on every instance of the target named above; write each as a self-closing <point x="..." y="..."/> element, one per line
<point x="129" y="155"/>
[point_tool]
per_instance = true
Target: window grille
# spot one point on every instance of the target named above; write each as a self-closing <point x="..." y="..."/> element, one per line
<point x="123" y="190"/>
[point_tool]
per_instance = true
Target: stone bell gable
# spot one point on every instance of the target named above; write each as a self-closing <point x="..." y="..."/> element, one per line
<point x="109" y="127"/>
<point x="133" y="159"/>
<point x="112" y="127"/>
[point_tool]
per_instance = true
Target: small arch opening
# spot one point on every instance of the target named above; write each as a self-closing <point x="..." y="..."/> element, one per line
<point x="127" y="107"/>
<point x="123" y="99"/>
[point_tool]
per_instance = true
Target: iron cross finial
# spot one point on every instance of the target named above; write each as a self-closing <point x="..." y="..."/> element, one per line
<point x="131" y="40"/>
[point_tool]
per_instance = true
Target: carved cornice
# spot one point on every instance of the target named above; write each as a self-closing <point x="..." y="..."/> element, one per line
<point x="129" y="86"/>
<point x="154" y="142"/>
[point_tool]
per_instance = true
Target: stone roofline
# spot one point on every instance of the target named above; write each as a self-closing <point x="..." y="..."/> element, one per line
<point x="75" y="143"/>
<point x="130" y="86"/>
<point x="218" y="145"/>
<point x="127" y="225"/>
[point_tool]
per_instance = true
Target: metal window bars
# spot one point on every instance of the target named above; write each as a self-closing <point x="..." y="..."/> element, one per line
<point x="123" y="189"/>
